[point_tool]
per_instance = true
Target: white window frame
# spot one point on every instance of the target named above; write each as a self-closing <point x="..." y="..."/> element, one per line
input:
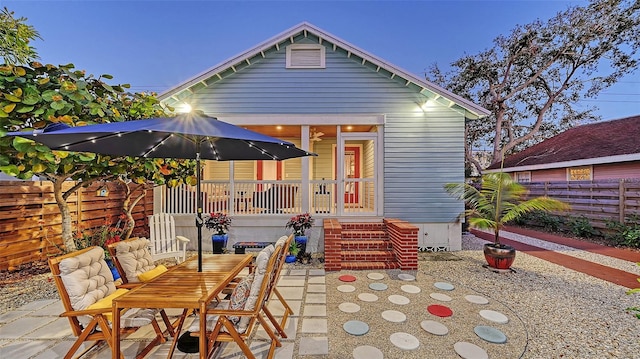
<point x="526" y="174"/>
<point x="292" y="48"/>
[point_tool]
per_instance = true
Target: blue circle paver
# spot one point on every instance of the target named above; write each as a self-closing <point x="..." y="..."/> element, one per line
<point x="490" y="334"/>
<point x="356" y="327"/>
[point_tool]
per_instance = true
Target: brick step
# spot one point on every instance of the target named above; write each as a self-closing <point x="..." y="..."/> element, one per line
<point x="368" y="265"/>
<point x="355" y="245"/>
<point x="364" y="256"/>
<point x="364" y="226"/>
<point x="363" y="235"/>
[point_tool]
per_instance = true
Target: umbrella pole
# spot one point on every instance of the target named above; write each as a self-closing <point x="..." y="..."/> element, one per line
<point x="199" y="209"/>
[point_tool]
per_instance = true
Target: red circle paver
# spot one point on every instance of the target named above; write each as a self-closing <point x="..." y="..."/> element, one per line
<point x="440" y="310"/>
<point x="347" y="278"/>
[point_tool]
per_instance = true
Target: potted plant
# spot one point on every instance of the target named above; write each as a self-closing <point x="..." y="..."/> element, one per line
<point x="299" y="224"/>
<point x="496" y="200"/>
<point x="293" y="252"/>
<point x="220" y="223"/>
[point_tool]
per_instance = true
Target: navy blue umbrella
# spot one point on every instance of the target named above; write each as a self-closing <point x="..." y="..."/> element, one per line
<point x="185" y="136"/>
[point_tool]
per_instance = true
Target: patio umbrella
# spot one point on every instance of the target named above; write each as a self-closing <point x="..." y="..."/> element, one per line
<point x="186" y="136"/>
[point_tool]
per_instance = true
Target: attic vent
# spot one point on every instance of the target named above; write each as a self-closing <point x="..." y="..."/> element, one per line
<point x="305" y="56"/>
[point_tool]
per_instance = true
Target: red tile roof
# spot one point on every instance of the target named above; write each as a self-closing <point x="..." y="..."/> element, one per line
<point x="601" y="139"/>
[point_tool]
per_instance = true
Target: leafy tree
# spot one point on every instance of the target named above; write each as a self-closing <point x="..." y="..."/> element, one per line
<point x="40" y="95"/>
<point x="15" y="37"/>
<point x="499" y="200"/>
<point x="532" y="78"/>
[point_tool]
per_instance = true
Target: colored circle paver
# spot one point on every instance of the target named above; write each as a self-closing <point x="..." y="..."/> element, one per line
<point x="399" y="299"/>
<point x="470" y="351"/>
<point x="494" y="316"/>
<point x="349" y="307"/>
<point x="440" y="310"/>
<point x="367" y="297"/>
<point x="441" y="297"/>
<point x="367" y="352"/>
<point x="476" y="299"/>
<point x="375" y="276"/>
<point x="394" y="316"/>
<point x="404" y="341"/>
<point x="347" y="278"/>
<point x="378" y="286"/>
<point x="346" y="288"/>
<point x="434" y="327"/>
<point x="490" y="334"/>
<point x="410" y="288"/>
<point x="444" y="285"/>
<point x="356" y="327"/>
<point x="406" y="277"/>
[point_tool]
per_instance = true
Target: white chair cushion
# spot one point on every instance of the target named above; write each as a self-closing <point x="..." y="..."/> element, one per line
<point x="86" y="278"/>
<point x="134" y="258"/>
<point x="262" y="260"/>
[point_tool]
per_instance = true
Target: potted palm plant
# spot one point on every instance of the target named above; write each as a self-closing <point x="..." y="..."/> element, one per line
<point x="497" y="200"/>
<point x="294" y="249"/>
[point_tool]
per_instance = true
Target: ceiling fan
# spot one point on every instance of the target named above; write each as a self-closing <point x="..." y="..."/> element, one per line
<point x="314" y="135"/>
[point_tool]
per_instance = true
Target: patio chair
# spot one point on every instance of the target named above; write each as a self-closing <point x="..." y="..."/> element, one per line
<point x="283" y="242"/>
<point x="163" y="240"/>
<point x="135" y="265"/>
<point x="235" y="321"/>
<point x="87" y="288"/>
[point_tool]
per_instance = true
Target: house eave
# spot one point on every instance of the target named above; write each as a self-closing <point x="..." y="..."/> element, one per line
<point x="431" y="91"/>
<point x="574" y="163"/>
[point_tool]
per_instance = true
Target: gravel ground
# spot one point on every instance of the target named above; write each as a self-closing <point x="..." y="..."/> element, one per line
<point x="554" y="312"/>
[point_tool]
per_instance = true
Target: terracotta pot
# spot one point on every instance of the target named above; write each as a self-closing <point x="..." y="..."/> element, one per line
<point x="499" y="256"/>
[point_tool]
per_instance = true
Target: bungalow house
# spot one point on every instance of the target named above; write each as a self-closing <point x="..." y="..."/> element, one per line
<point x="386" y="141"/>
<point x="607" y="150"/>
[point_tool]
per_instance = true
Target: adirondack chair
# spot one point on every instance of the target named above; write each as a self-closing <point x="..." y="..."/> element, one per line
<point x="86" y="287"/>
<point x="163" y="240"/>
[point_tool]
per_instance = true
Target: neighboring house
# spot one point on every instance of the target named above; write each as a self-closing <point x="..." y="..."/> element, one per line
<point x="387" y="141"/>
<point x="600" y="151"/>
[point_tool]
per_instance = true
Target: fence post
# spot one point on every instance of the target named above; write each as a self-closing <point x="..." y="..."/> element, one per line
<point x="621" y="198"/>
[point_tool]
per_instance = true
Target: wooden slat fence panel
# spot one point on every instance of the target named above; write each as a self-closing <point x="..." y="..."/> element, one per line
<point x="599" y="201"/>
<point x="30" y="221"/>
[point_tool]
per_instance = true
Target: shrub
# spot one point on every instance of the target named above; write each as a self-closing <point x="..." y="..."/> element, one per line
<point x="581" y="227"/>
<point x="626" y="234"/>
<point x="542" y="219"/>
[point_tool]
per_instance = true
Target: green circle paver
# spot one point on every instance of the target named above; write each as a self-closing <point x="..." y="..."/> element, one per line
<point x="443" y="285"/>
<point x="490" y="334"/>
<point x="378" y="286"/>
<point x="356" y="327"/>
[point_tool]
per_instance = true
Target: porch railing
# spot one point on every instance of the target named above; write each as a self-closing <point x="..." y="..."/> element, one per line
<point x="271" y="197"/>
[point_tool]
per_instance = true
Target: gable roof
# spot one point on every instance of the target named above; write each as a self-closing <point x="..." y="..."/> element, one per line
<point x="307" y="31"/>
<point x="602" y="142"/>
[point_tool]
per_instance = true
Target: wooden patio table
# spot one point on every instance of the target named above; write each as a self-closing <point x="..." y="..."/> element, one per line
<point x="182" y="286"/>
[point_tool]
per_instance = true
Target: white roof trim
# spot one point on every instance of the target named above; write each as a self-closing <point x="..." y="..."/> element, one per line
<point x="583" y="162"/>
<point x="474" y="109"/>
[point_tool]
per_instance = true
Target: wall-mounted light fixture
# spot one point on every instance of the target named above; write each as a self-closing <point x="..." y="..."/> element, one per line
<point x="183" y="108"/>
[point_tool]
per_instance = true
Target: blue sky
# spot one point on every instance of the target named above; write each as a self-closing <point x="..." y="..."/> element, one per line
<point x="154" y="45"/>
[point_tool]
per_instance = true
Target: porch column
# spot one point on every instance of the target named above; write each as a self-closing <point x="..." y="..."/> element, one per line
<point x="304" y="143"/>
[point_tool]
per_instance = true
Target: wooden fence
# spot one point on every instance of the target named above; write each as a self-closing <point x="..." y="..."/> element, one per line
<point x="599" y="201"/>
<point x="30" y="221"/>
